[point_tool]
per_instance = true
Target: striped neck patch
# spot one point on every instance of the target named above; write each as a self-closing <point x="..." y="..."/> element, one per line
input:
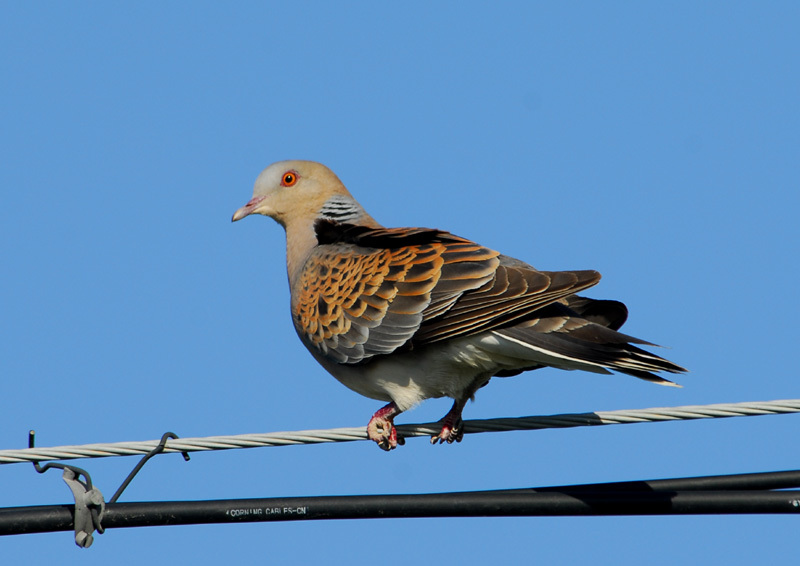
<point x="340" y="208"/>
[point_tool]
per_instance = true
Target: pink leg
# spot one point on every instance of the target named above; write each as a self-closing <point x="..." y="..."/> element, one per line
<point x="452" y="429"/>
<point x="381" y="428"/>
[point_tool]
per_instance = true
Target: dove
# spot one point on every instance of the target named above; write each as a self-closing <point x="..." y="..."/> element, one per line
<point x="401" y="315"/>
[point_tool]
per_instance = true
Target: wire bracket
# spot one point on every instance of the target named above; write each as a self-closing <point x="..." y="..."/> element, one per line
<point x="157" y="450"/>
<point x="89" y="503"/>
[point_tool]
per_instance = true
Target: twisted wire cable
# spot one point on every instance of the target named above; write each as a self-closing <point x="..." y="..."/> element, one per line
<point x="660" y="414"/>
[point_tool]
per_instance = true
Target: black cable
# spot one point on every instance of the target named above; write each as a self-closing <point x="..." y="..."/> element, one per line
<point x="755" y="481"/>
<point x="737" y="494"/>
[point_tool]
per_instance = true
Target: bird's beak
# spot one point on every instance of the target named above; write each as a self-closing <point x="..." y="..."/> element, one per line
<point x="248" y="209"/>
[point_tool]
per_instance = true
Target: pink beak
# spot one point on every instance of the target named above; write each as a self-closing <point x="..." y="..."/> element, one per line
<point x="247" y="209"/>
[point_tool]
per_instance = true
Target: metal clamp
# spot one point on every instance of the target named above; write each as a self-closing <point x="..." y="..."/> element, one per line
<point x="89" y="503"/>
<point x="89" y="507"/>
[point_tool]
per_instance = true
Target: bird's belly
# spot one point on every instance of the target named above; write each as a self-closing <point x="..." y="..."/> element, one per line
<point x="450" y="369"/>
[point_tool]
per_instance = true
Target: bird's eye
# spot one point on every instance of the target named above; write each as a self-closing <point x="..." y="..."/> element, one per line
<point x="289" y="179"/>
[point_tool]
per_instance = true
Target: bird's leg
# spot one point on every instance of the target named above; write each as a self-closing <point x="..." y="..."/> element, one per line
<point x="381" y="428"/>
<point x="452" y="431"/>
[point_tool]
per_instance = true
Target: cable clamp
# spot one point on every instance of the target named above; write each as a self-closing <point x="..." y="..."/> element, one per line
<point x="89" y="507"/>
<point x="89" y="503"/>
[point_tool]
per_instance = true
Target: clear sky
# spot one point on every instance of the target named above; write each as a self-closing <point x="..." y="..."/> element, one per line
<point x="658" y="144"/>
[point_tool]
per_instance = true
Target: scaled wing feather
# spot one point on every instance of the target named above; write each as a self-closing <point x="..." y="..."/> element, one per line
<point x="367" y="292"/>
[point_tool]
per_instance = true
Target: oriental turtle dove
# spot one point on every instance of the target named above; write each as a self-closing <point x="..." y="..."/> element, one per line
<point x="407" y="314"/>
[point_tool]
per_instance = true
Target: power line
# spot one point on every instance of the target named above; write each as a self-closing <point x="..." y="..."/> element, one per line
<point x="720" y="410"/>
<point x="732" y="494"/>
<point x="736" y="494"/>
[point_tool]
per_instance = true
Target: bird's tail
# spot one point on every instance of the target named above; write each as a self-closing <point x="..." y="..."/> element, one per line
<point x="588" y="346"/>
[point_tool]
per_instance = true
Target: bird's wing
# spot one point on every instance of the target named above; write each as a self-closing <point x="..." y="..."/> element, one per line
<point x="366" y="291"/>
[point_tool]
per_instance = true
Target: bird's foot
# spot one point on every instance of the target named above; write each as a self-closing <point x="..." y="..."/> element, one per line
<point x="381" y="428"/>
<point x="452" y="427"/>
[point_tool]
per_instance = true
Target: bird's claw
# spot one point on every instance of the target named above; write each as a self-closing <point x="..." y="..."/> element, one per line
<point x="381" y="429"/>
<point x="452" y="431"/>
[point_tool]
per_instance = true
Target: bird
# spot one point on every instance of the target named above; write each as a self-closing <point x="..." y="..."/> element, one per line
<point x="401" y="315"/>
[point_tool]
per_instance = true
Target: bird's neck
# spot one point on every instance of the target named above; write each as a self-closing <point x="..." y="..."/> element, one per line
<point x="300" y="241"/>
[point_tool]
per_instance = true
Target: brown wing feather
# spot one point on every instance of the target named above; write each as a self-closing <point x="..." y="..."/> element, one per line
<point x="366" y="292"/>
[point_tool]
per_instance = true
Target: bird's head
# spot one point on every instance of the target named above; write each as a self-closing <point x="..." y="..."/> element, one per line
<point x="301" y="191"/>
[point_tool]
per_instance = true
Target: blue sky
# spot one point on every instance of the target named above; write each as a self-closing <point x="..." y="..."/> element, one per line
<point x="658" y="144"/>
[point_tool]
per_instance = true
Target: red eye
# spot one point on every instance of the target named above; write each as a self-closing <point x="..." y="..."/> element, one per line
<point x="289" y="179"/>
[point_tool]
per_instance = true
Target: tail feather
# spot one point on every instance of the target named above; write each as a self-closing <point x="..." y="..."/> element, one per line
<point x="611" y="314"/>
<point x="590" y="347"/>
